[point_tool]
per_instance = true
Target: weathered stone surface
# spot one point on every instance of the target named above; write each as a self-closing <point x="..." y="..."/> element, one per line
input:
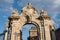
<point x="29" y="15"/>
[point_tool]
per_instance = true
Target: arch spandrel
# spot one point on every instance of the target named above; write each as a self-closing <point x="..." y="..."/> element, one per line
<point x="30" y="11"/>
<point x="23" y="22"/>
<point x="28" y="18"/>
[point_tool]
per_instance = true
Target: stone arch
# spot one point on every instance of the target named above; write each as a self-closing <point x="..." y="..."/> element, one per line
<point x="32" y="22"/>
<point x="29" y="16"/>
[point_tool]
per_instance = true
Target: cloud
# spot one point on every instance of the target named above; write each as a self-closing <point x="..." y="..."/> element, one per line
<point x="59" y="20"/>
<point x="56" y="3"/>
<point x="4" y="16"/>
<point x="54" y="15"/>
<point x="9" y="1"/>
<point x="51" y="6"/>
<point x="35" y="0"/>
<point x="6" y="6"/>
<point x="22" y="3"/>
<point x="52" y="21"/>
<point x="6" y="9"/>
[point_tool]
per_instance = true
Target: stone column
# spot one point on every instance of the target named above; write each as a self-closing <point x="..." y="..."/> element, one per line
<point x="14" y="23"/>
<point x="19" y="35"/>
<point x="16" y="35"/>
<point x="12" y="34"/>
<point x="47" y="33"/>
<point x="47" y="30"/>
<point x="42" y="32"/>
<point x="6" y="33"/>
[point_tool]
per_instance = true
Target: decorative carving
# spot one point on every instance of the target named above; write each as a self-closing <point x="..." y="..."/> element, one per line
<point x="29" y="15"/>
<point x="15" y="13"/>
<point x="28" y="19"/>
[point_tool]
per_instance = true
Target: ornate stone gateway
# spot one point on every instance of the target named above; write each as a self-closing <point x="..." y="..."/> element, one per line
<point x="29" y="15"/>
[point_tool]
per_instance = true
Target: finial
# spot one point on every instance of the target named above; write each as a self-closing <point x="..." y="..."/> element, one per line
<point x="43" y="12"/>
<point x="15" y="12"/>
<point x="29" y="3"/>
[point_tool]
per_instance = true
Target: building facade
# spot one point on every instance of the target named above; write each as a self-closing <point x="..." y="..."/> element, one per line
<point x="29" y="15"/>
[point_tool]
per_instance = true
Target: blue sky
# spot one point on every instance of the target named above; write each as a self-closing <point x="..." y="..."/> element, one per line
<point x="6" y="7"/>
<point x="25" y="30"/>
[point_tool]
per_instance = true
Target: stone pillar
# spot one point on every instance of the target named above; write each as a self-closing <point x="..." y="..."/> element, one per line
<point x="47" y="30"/>
<point x="12" y="34"/>
<point x="15" y="30"/>
<point x="6" y="33"/>
<point x="42" y="30"/>
<point x="43" y="34"/>
<point x="47" y="33"/>
<point x="16" y="35"/>
<point x="14" y="21"/>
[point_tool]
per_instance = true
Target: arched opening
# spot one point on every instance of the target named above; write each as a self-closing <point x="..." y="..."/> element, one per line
<point x="28" y="30"/>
